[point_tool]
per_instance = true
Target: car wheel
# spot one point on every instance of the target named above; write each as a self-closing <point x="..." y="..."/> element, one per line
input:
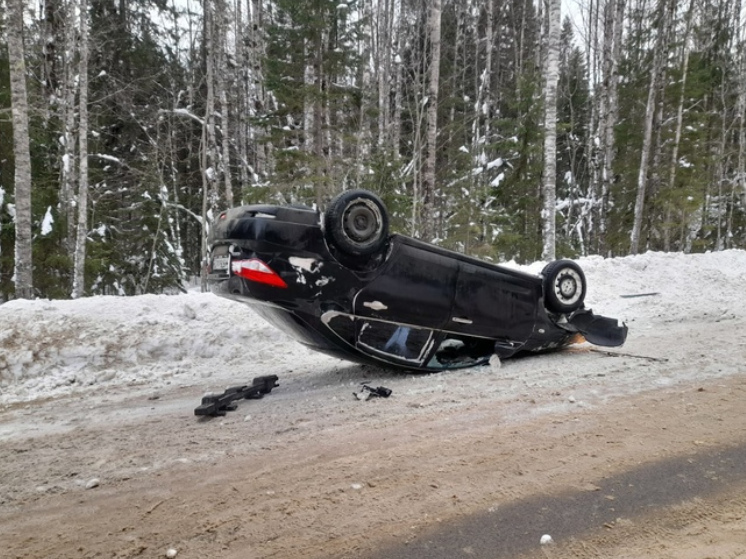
<point x="357" y="223"/>
<point x="564" y="286"/>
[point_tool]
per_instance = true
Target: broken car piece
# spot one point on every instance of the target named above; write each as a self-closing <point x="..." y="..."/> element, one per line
<point x="368" y="392"/>
<point x="219" y="404"/>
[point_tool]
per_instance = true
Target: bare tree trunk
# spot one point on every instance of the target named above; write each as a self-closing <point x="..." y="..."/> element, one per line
<point x="679" y="125"/>
<point x="489" y="36"/>
<point x="67" y="116"/>
<point x="396" y="117"/>
<point x="204" y="221"/>
<point x="263" y="152"/>
<point x="385" y="19"/>
<point x="78" y="287"/>
<point x="210" y="169"/>
<point x="614" y="23"/>
<point x="741" y="169"/>
<point x="364" y="128"/>
<point x="309" y="103"/>
<point x="242" y="109"/>
<point x="52" y="23"/>
<point x="656" y="75"/>
<point x="208" y="156"/>
<point x="24" y="287"/>
<point x="428" y="183"/>
<point x="594" y="118"/>
<point x="221" y="22"/>
<point x="728" y="122"/>
<point x="549" y="179"/>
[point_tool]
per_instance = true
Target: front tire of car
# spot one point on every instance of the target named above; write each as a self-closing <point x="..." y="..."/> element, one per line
<point x="357" y="223"/>
<point x="564" y="286"/>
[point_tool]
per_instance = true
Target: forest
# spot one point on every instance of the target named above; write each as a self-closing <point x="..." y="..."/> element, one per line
<point x="517" y="129"/>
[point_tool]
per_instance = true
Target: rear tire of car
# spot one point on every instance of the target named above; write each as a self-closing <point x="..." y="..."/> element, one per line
<point x="564" y="286"/>
<point x="357" y="223"/>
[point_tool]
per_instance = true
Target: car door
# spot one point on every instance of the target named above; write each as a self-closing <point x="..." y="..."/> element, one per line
<point x="399" y="312"/>
<point x="416" y="287"/>
<point x="494" y="302"/>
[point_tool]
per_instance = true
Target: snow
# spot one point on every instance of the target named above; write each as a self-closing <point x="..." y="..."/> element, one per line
<point x="497" y="180"/>
<point x="47" y="222"/>
<point x="54" y="348"/>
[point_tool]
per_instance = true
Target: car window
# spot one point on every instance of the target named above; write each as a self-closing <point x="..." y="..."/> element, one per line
<point x="461" y="351"/>
<point x="393" y="340"/>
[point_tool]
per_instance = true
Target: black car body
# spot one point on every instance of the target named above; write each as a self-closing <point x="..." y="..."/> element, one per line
<point x="339" y="283"/>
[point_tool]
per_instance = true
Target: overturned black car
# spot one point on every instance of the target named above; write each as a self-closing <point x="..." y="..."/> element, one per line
<point x="341" y="284"/>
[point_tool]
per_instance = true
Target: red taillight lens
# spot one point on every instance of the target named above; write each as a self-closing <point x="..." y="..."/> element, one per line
<point x="256" y="270"/>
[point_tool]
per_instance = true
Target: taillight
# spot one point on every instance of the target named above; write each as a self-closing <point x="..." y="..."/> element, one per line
<point x="256" y="270"/>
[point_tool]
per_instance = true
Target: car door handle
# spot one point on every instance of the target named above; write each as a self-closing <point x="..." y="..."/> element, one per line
<point x="462" y="320"/>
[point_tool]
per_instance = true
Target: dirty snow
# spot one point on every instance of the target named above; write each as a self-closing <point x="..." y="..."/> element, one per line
<point x="50" y="348"/>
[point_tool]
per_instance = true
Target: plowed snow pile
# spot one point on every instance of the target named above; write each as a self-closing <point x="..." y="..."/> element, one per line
<point x="48" y="348"/>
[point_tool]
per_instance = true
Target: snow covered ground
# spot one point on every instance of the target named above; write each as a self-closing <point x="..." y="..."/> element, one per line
<point x="99" y="393"/>
<point x="50" y="348"/>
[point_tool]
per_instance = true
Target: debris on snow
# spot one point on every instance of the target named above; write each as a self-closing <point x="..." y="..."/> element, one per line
<point x="369" y="392"/>
<point x="495" y="363"/>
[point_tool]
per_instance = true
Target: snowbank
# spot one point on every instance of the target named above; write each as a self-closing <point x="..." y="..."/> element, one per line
<point x="54" y="347"/>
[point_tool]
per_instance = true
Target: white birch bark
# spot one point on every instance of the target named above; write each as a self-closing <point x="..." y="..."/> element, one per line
<point x="549" y="178"/>
<point x="398" y="94"/>
<point x="67" y="116"/>
<point x="741" y="170"/>
<point x="78" y="287"/>
<point x="221" y="25"/>
<point x="383" y="57"/>
<point x="242" y="94"/>
<point x="366" y="53"/>
<point x="309" y="103"/>
<point x="428" y="183"/>
<point x="210" y="169"/>
<point x="594" y="117"/>
<point x="22" y="275"/>
<point x="257" y="97"/>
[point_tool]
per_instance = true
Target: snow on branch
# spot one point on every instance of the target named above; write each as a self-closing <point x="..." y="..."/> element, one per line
<point x="185" y="113"/>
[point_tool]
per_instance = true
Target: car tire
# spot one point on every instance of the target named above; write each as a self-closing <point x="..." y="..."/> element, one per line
<point x="564" y="286"/>
<point x="357" y="223"/>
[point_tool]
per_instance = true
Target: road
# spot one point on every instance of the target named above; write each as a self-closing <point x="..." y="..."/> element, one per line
<point x="630" y="453"/>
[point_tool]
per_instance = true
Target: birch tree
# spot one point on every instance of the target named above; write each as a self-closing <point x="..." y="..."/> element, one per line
<point x="23" y="261"/>
<point x="428" y="182"/>
<point x="78" y="287"/>
<point x="741" y="167"/>
<point x="656" y="78"/>
<point x="549" y="177"/>
<point x="221" y="24"/>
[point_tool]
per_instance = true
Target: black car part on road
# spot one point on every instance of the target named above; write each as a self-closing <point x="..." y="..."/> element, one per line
<point x="219" y="404"/>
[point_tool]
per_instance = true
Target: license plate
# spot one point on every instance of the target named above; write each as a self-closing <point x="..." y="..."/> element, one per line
<point x="220" y="263"/>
